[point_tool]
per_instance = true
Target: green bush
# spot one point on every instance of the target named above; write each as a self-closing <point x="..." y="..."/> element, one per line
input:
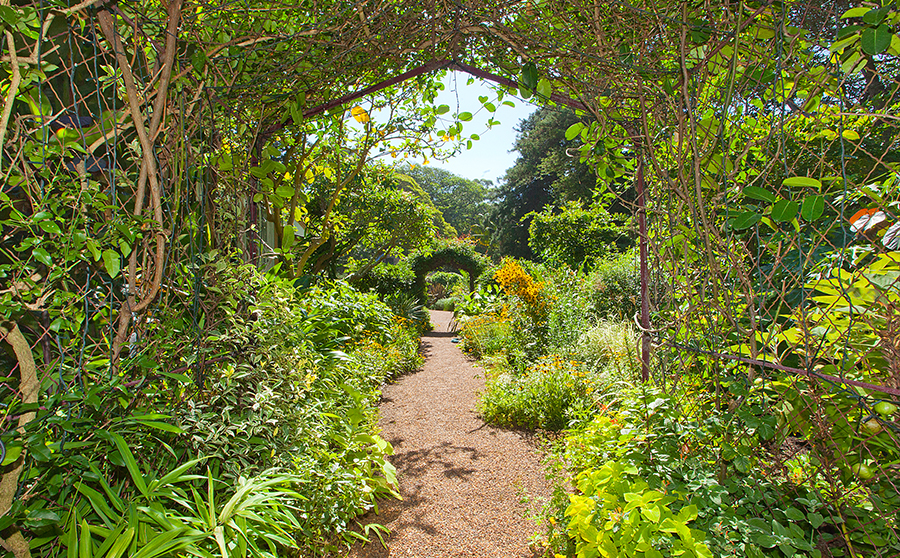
<point x="552" y="394"/>
<point x="569" y="316"/>
<point x="735" y="506"/>
<point x="386" y="279"/>
<point x="445" y="304"/>
<point x="574" y="236"/>
<point x="615" y="285"/>
<point x="486" y="334"/>
<point x="612" y="345"/>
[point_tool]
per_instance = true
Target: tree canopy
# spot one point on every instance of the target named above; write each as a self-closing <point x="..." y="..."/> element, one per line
<point x="461" y="201"/>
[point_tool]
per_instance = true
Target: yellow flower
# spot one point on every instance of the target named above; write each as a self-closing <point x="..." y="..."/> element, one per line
<point x="360" y="114"/>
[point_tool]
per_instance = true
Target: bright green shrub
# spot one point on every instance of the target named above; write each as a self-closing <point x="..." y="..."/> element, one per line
<point x="288" y="396"/>
<point x="616" y="513"/>
<point x="569" y="315"/>
<point x="613" y="346"/>
<point x="486" y="334"/>
<point x="754" y="511"/>
<point x="445" y="304"/>
<point x="574" y="236"/>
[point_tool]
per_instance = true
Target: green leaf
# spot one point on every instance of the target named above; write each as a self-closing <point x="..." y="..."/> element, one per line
<point x="785" y="210"/>
<point x="112" y="262"/>
<point x="93" y="248"/>
<point x="855" y="12"/>
<point x="745" y="220"/>
<point x="875" y="17"/>
<point x="529" y="75"/>
<point x="852" y="135"/>
<point x="544" y="89"/>
<point x="802" y="182"/>
<point x="121" y="544"/>
<point x="285" y="191"/>
<point x="766" y="541"/>
<point x="812" y="208"/>
<point x="288" y="238"/>
<point x="9" y="15"/>
<point x="443" y="109"/>
<point x="174" y="475"/>
<point x="164" y="426"/>
<point x="876" y="40"/>
<point x="794" y="514"/>
<point x="42" y="256"/>
<point x="198" y="60"/>
<point x="99" y="503"/>
<point x="815" y="519"/>
<point x="761" y="194"/>
<point x="165" y="542"/>
<point x="465" y="116"/>
<point x="12" y="453"/>
<point x="50" y="227"/>
<point x="86" y="544"/>
<point x="136" y="476"/>
<point x="574" y="131"/>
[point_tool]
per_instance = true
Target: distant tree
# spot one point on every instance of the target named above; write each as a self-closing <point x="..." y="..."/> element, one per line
<point x="462" y="201"/>
<point x="575" y="236"/>
<point x="544" y="174"/>
<point x="378" y="218"/>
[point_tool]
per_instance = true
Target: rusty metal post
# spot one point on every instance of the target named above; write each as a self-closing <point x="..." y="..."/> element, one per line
<point x="645" y="270"/>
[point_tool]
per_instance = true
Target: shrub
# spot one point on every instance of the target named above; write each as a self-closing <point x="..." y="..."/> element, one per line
<point x="386" y="279"/>
<point x="286" y="409"/>
<point x="550" y="395"/>
<point x="445" y="304"/>
<point x="569" y="315"/>
<point x="486" y="334"/>
<point x="612" y="345"/>
<point x="616" y="287"/>
<point x="575" y="237"/>
<point x="411" y="309"/>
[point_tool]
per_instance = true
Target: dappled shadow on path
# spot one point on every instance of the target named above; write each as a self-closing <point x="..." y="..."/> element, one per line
<point x="461" y="480"/>
<point x="440" y="334"/>
<point x="452" y="459"/>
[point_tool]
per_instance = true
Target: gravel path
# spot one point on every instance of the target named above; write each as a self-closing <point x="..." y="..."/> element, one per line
<point x="461" y="480"/>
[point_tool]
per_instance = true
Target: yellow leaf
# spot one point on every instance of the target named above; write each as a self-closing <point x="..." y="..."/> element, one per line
<point x="360" y="114"/>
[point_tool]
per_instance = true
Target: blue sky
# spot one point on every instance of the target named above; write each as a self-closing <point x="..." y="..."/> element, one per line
<point x="490" y="156"/>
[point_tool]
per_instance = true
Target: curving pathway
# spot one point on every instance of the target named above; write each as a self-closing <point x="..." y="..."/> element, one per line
<point x="461" y="480"/>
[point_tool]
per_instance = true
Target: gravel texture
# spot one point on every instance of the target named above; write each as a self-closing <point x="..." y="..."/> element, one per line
<point x="462" y="480"/>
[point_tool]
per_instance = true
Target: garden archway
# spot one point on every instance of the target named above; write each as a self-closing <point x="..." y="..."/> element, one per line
<point x="457" y="257"/>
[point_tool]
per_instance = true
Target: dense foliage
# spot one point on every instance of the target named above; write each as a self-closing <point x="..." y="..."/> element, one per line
<point x="543" y="175"/>
<point x="273" y="440"/>
<point x="685" y="471"/>
<point x="462" y="202"/>
<point x="160" y="395"/>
